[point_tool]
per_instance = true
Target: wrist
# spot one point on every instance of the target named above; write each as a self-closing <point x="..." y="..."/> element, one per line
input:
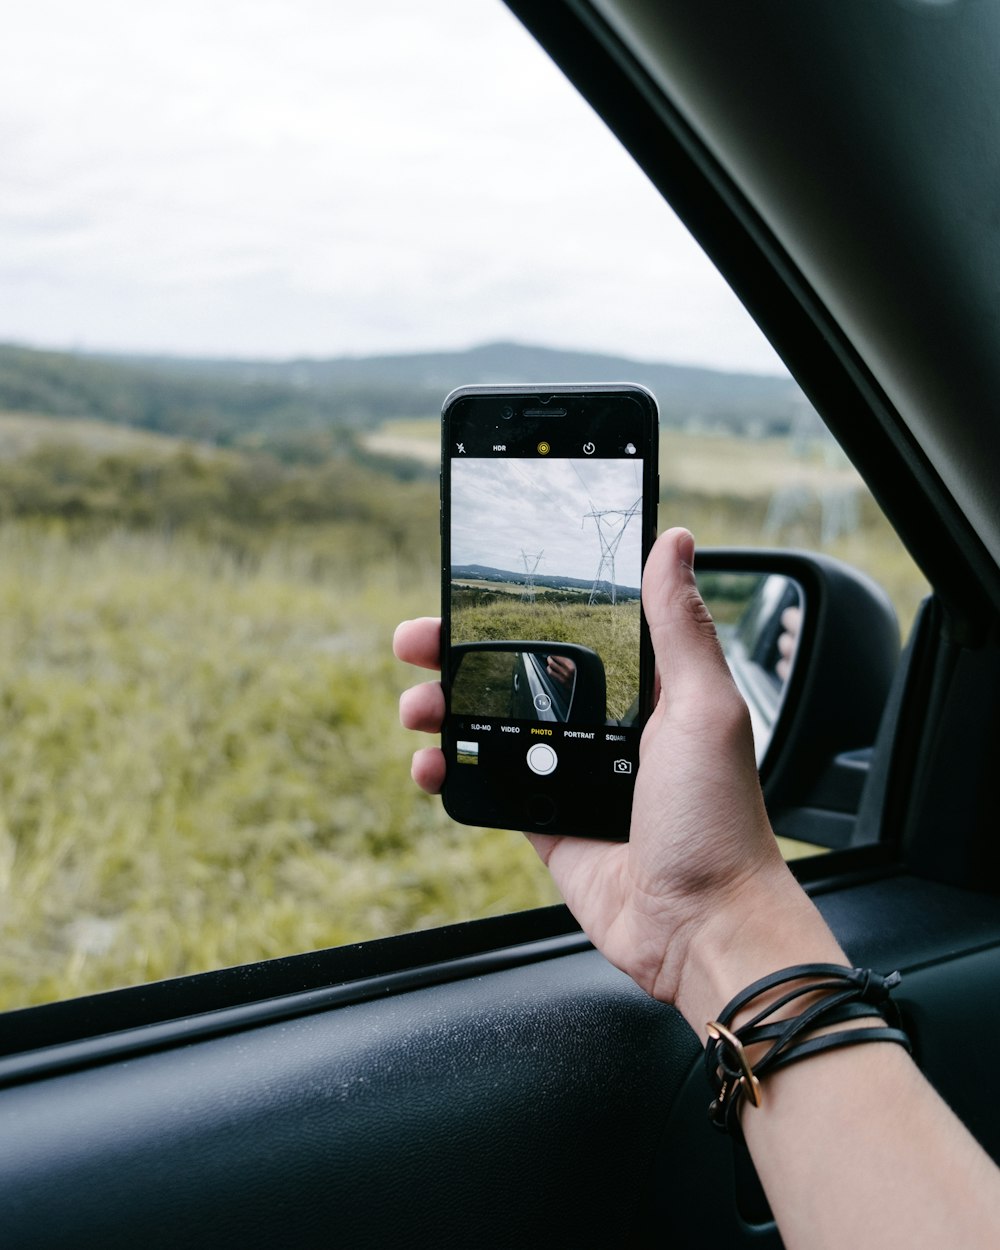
<point x="768" y="924"/>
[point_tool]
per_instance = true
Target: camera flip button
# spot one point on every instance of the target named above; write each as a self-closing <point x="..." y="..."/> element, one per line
<point x="542" y="759"/>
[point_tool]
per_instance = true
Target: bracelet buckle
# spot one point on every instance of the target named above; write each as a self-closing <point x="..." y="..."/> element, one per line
<point x="745" y="1081"/>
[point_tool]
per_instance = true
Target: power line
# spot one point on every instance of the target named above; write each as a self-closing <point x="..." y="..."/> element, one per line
<point x="586" y="488"/>
<point x="540" y="487"/>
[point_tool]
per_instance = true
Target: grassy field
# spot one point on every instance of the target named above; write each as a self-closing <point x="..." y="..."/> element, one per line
<point x="201" y="764"/>
<point x="200" y="756"/>
<point x="25" y="432"/>
<point x="483" y="688"/>
<point x="513" y="588"/>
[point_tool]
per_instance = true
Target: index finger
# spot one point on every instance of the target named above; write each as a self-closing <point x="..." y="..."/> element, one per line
<point x="419" y="642"/>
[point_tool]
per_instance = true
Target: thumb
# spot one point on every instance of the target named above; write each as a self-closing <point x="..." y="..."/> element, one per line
<point x="685" y="643"/>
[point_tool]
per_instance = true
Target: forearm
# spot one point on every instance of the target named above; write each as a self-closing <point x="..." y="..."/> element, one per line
<point x="853" y="1147"/>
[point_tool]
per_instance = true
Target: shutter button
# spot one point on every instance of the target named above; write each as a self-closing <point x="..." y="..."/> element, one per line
<point x="542" y="759"/>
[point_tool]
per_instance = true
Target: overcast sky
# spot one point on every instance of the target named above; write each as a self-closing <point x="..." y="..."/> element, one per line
<point x="315" y="177"/>
<point x="503" y="507"/>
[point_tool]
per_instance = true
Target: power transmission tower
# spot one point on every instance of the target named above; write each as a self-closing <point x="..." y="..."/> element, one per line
<point x="610" y="535"/>
<point x="530" y="564"/>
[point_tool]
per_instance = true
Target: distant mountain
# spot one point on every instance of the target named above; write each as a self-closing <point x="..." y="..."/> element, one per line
<point x="253" y="401"/>
<point x="684" y="392"/>
<point x="483" y="573"/>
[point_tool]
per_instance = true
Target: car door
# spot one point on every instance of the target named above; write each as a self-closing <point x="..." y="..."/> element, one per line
<point x="497" y="1082"/>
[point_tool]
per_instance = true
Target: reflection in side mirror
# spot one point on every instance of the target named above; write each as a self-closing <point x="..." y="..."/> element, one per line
<point x="758" y="617"/>
<point x="544" y="681"/>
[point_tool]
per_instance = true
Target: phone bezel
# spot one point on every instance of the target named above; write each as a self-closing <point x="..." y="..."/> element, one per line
<point x="580" y="400"/>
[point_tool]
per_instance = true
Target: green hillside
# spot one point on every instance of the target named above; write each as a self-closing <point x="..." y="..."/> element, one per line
<point x="301" y="408"/>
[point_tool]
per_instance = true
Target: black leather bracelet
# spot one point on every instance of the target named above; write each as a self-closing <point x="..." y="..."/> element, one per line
<point x="846" y="994"/>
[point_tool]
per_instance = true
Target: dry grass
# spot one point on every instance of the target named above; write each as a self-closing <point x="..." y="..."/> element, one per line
<point x="201" y="764"/>
<point x="24" y="432"/>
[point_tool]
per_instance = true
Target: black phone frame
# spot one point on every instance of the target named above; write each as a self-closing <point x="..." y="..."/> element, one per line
<point x="601" y="815"/>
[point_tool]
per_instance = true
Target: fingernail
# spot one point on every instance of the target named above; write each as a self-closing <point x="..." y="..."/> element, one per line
<point x="685" y="548"/>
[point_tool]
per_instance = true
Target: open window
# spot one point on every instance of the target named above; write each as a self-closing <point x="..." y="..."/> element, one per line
<point x="218" y="504"/>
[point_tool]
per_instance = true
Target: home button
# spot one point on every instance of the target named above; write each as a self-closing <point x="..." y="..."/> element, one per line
<point x="540" y="809"/>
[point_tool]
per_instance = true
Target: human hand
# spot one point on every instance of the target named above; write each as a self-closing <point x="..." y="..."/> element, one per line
<point x="698" y="904"/>
<point x="788" y="641"/>
<point x="561" y="669"/>
<point x="693" y="904"/>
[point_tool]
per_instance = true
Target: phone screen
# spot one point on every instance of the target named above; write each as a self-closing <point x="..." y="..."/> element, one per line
<point x="548" y="511"/>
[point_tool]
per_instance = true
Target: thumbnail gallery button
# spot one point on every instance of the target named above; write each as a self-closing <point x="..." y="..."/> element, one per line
<point x="542" y="759"/>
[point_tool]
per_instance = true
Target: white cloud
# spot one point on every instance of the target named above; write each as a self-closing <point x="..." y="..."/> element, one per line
<point x="501" y="507"/>
<point x="275" y="177"/>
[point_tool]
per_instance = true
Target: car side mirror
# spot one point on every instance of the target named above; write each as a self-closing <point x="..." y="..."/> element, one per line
<point x="544" y="681"/>
<point x="813" y="645"/>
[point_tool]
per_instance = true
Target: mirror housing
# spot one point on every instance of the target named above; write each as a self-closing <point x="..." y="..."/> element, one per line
<point x="816" y="762"/>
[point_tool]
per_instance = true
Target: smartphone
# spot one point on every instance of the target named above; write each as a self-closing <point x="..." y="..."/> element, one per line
<point x="548" y="511"/>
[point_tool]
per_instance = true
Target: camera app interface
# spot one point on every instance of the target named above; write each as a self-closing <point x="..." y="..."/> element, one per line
<point x="545" y="571"/>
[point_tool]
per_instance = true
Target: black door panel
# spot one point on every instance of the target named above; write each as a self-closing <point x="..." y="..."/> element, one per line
<point x="547" y="1104"/>
<point x="477" y="1113"/>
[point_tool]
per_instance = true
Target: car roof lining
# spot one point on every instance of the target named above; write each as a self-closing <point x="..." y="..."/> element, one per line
<point x="700" y="96"/>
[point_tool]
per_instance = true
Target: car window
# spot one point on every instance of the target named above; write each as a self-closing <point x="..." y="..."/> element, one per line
<point x="246" y="250"/>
